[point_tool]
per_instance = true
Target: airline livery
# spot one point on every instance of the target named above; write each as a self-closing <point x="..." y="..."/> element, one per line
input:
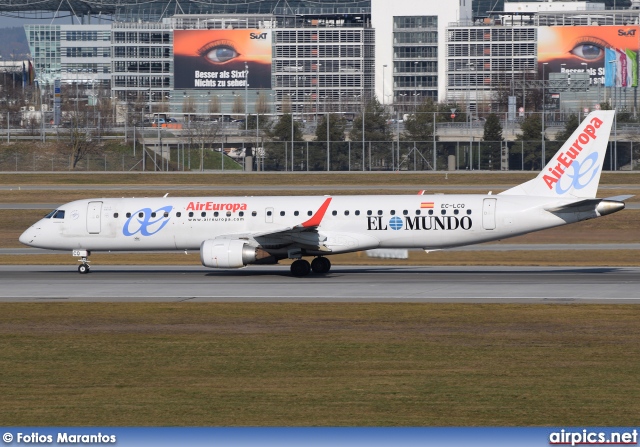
<point x="232" y="232"/>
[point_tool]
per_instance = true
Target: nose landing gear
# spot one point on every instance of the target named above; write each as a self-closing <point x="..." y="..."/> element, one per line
<point x="84" y="266"/>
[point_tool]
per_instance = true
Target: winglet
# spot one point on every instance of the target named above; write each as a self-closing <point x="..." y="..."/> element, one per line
<point x="316" y="219"/>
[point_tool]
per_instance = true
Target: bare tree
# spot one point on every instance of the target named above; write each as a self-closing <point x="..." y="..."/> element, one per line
<point x="238" y="105"/>
<point x="80" y="141"/>
<point x="205" y="134"/>
<point x="214" y="106"/>
<point x="262" y="105"/>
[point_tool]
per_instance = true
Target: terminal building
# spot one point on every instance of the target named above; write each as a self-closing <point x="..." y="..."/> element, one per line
<point x="329" y="58"/>
<point x="312" y="58"/>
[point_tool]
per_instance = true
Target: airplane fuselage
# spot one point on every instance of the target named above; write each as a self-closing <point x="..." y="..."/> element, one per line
<point x="350" y="223"/>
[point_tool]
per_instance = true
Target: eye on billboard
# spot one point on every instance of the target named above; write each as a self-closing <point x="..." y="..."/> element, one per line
<point x="215" y="59"/>
<point x="599" y="50"/>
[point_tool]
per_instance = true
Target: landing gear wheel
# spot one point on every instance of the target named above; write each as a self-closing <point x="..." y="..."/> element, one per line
<point x="83" y="268"/>
<point x="300" y="268"/>
<point x="321" y="265"/>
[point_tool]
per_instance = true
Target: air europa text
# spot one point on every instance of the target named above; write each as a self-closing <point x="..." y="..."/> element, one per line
<point x="212" y="206"/>
<point x="564" y="160"/>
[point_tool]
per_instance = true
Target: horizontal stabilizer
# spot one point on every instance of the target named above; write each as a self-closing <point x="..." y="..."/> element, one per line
<point x="602" y="206"/>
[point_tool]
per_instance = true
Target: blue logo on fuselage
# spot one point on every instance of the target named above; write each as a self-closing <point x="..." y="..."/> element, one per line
<point x="396" y="223"/>
<point x="147" y="225"/>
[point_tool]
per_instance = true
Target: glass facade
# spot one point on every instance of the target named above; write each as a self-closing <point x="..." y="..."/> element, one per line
<point x="415" y="59"/>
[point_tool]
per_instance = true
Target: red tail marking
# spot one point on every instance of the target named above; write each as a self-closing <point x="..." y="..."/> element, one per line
<point x="316" y="219"/>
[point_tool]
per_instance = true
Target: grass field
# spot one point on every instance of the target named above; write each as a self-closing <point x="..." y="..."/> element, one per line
<point x="232" y="364"/>
<point x="319" y="364"/>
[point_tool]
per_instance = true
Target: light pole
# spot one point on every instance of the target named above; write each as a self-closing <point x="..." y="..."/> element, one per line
<point x="615" y="82"/>
<point x="544" y="64"/>
<point x="246" y="95"/>
<point x="415" y="86"/>
<point x="383" y="91"/>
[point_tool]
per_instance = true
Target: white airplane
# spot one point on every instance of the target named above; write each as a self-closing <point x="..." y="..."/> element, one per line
<point x="232" y="232"/>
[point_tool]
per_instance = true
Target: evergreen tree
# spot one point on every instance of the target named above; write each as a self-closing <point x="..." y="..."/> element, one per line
<point x="280" y="146"/>
<point x="418" y="132"/>
<point x="531" y="141"/>
<point x="339" y="156"/>
<point x="492" y="146"/>
<point x="570" y="125"/>
<point x="377" y="137"/>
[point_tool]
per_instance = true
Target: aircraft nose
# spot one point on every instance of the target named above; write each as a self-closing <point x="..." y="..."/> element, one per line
<point x="28" y="237"/>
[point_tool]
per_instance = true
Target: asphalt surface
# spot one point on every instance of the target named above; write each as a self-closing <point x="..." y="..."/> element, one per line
<point x="343" y="284"/>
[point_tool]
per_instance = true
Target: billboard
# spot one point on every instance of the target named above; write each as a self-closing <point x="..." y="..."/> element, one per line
<point x="219" y="59"/>
<point x="599" y="50"/>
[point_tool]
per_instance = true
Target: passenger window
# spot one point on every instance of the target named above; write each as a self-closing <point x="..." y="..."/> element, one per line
<point x="369" y="212"/>
<point x="443" y="212"/>
<point x="140" y="214"/>
<point x="269" y="213"/>
<point x="128" y="214"/>
<point x="178" y="214"/>
<point x="115" y="215"/>
<point x="346" y="213"/>
<point x="334" y="213"/>
<point x="393" y="212"/>
<point x="296" y="213"/>
<point x="254" y="214"/>
<point x="468" y="211"/>
<point x="166" y="214"/>
<point x="215" y="214"/>
<point x="309" y="213"/>
<point x="153" y="214"/>
<point x="282" y="213"/>
<point x="430" y="212"/>
<point x="203" y="214"/>
<point x="379" y="212"/>
<point x="357" y="212"/>
<point x="405" y="212"/>
<point x="418" y="212"/>
<point x="228" y="213"/>
<point x="241" y="213"/>
<point x="455" y="212"/>
<point x="190" y="213"/>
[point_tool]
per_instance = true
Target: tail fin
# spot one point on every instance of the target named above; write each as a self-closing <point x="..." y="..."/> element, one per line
<point x="574" y="172"/>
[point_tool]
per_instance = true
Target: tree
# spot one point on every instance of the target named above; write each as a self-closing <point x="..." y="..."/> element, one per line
<point x="490" y="154"/>
<point x="277" y="152"/>
<point x="531" y="141"/>
<point x="570" y="125"/>
<point x="214" y="107"/>
<point x="377" y="136"/>
<point x="80" y="141"/>
<point x="419" y="132"/>
<point x="339" y="156"/>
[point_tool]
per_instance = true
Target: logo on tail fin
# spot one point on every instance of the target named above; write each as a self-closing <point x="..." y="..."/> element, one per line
<point x="589" y="167"/>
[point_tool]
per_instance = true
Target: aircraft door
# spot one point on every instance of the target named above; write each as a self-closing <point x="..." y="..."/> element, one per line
<point x="268" y="215"/>
<point x="489" y="214"/>
<point x="94" y="211"/>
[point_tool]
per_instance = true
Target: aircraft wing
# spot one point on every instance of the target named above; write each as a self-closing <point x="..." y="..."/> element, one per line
<point x="305" y="233"/>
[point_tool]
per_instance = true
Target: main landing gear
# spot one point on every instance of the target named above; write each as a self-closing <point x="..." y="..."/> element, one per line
<point x="84" y="266"/>
<point x="301" y="267"/>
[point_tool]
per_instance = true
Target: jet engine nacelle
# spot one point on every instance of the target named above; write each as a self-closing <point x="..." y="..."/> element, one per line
<point x="227" y="253"/>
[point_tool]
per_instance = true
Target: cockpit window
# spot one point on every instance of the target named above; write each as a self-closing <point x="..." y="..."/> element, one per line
<point x="59" y="215"/>
<point x="50" y="215"/>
